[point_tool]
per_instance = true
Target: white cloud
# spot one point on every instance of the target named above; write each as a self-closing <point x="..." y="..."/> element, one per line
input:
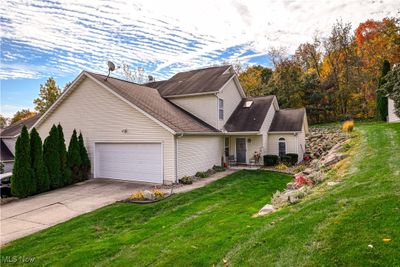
<point x="167" y="36"/>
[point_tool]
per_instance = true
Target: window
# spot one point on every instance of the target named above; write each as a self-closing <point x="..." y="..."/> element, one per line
<point x="221" y="108"/>
<point x="227" y="147"/>
<point x="282" y="147"/>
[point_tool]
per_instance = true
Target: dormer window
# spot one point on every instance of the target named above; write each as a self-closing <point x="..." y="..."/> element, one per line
<point x="221" y="108"/>
<point x="248" y="103"/>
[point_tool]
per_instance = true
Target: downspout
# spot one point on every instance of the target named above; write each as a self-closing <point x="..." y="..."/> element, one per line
<point x="176" y="156"/>
<point x="216" y="95"/>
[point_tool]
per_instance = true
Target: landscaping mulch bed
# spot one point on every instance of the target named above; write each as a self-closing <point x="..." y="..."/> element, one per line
<point x="144" y="200"/>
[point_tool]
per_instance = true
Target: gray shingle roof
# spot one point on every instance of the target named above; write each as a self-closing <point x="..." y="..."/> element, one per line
<point x="288" y="120"/>
<point x="200" y="81"/>
<point x="249" y="119"/>
<point x="149" y="100"/>
<point x="15" y="128"/>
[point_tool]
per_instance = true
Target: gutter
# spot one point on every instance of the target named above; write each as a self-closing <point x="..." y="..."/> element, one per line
<point x="176" y="157"/>
<point x="196" y="94"/>
<point x="219" y="133"/>
<point x="285" y="132"/>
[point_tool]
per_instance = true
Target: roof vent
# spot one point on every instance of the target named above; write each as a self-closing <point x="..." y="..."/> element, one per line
<point x="248" y="103"/>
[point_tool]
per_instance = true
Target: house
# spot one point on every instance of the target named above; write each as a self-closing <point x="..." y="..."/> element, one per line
<point x="8" y="137"/>
<point x="392" y="117"/>
<point x="161" y="131"/>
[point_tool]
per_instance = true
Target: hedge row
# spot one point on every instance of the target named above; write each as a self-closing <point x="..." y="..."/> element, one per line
<point x="39" y="168"/>
<point x="289" y="159"/>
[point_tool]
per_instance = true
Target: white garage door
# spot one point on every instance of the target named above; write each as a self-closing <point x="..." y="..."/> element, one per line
<point x="135" y="162"/>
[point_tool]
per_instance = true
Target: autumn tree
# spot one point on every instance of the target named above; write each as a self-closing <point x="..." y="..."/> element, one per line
<point x="48" y="94"/>
<point x="309" y="57"/>
<point x="286" y="82"/>
<point x="255" y="79"/>
<point x="340" y="66"/>
<point x="22" y="115"/>
<point x="376" y="41"/>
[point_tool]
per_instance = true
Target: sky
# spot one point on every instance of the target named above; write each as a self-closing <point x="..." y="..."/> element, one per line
<point x="60" y="38"/>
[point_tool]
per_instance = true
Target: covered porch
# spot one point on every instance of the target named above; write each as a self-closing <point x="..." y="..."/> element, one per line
<point x="244" y="149"/>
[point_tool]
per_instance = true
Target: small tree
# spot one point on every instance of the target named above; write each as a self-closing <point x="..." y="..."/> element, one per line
<point x="65" y="171"/>
<point x="48" y="94"/>
<point x="22" y="115"/>
<point x="85" y="166"/>
<point x="381" y="99"/>
<point x="74" y="158"/>
<point x="41" y="177"/>
<point x="52" y="158"/>
<point x="21" y="180"/>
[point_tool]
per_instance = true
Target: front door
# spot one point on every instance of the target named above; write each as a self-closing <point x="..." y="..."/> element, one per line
<point x="241" y="150"/>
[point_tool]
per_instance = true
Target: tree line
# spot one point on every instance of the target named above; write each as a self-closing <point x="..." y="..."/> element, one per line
<point x="334" y="77"/>
<point x="41" y="167"/>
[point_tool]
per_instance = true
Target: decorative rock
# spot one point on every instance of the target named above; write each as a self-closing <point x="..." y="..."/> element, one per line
<point x="291" y="186"/>
<point x="148" y="195"/>
<point x="307" y="171"/>
<point x="266" y="209"/>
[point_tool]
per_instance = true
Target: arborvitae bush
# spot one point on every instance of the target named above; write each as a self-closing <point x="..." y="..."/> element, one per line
<point x="85" y="165"/>
<point x="65" y="171"/>
<point x="74" y="158"/>
<point x="381" y="98"/>
<point x="52" y="158"/>
<point x="40" y="174"/>
<point x="22" y="184"/>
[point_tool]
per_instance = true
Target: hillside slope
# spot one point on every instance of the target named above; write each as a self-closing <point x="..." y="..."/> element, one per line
<point x="336" y="226"/>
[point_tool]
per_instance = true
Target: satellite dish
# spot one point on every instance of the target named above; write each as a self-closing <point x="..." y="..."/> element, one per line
<point x="111" y="67"/>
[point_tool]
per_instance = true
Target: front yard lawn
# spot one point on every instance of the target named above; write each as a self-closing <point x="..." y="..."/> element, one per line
<point x="195" y="228"/>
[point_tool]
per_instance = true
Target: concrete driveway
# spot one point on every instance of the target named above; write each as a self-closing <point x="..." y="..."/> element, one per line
<point x="26" y="216"/>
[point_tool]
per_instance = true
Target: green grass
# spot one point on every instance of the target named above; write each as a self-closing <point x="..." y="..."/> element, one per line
<point x="332" y="227"/>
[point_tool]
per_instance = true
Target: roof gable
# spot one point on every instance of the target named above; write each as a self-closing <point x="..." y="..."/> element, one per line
<point x="145" y="99"/>
<point x="150" y="101"/>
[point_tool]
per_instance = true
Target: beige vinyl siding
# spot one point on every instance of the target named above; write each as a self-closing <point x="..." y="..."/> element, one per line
<point x="273" y="142"/>
<point x="255" y="145"/>
<point x="265" y="126"/>
<point x="101" y="116"/>
<point x="231" y="96"/>
<point x="301" y="137"/>
<point x="392" y="117"/>
<point x="198" y="153"/>
<point x="205" y="107"/>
